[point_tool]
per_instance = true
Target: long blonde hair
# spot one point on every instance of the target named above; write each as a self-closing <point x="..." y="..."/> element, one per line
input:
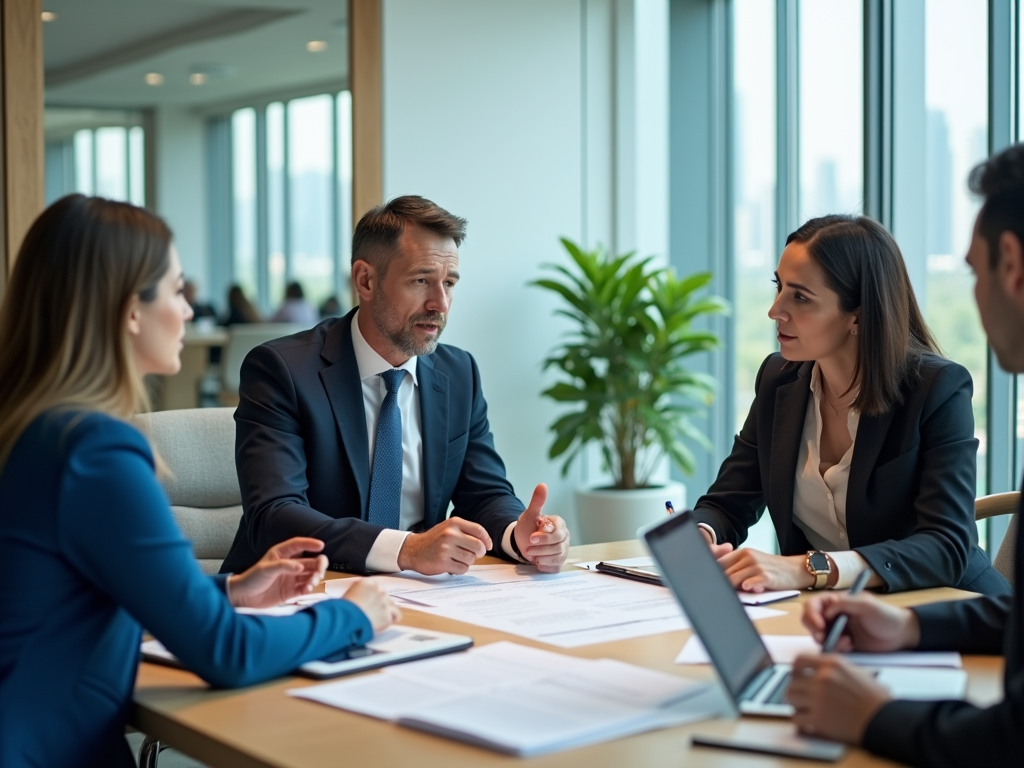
<point x="63" y="335"/>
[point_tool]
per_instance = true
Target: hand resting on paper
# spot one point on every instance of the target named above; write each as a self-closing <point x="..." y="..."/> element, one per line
<point x="379" y="608"/>
<point x="449" y="547"/>
<point x="542" y="539"/>
<point x="279" y="575"/>
<point x="751" y="570"/>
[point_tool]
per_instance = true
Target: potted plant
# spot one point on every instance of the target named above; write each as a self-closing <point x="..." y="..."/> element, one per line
<point x="623" y="366"/>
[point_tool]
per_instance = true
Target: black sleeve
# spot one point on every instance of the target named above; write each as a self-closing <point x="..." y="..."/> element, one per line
<point x="936" y="553"/>
<point x="483" y="493"/>
<point x="736" y="500"/>
<point x="271" y="460"/>
<point x="969" y="626"/>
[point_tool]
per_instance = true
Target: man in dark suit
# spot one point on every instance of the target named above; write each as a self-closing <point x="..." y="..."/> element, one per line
<point x="835" y="700"/>
<point x="362" y="430"/>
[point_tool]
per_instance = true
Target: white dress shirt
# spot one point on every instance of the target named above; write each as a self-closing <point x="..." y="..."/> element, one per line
<point x="819" y="499"/>
<point x="383" y="555"/>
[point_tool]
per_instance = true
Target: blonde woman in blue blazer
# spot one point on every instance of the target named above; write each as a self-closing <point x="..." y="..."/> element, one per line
<point x="91" y="552"/>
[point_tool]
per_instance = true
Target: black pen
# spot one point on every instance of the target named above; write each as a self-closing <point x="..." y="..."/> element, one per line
<point x="836" y="631"/>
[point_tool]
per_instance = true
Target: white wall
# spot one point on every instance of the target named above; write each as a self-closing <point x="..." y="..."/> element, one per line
<point x="520" y="116"/>
<point x="181" y="189"/>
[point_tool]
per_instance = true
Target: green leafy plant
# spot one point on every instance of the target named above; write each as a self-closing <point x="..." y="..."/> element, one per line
<point x="623" y="362"/>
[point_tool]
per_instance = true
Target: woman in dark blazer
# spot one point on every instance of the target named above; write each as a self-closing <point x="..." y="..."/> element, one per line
<point x="90" y="550"/>
<point x="860" y="440"/>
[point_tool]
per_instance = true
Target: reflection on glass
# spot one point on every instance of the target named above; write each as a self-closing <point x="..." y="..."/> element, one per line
<point x="344" y="185"/>
<point x="831" y="107"/>
<point x="136" y="166"/>
<point x="243" y="187"/>
<point x="276" y="215"/>
<point x="754" y="159"/>
<point x="112" y="163"/>
<point x="956" y="96"/>
<point x="311" y="195"/>
<point x="84" y="182"/>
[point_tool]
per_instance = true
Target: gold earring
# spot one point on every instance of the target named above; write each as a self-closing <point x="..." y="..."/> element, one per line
<point x="853" y="331"/>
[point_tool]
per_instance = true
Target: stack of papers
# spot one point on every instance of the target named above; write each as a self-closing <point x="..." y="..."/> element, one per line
<point x="518" y="700"/>
<point x="567" y="609"/>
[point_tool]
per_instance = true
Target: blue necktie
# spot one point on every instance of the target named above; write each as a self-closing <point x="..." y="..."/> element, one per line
<point x="386" y="475"/>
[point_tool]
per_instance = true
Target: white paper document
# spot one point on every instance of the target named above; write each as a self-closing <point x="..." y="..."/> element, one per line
<point x="785" y="648"/>
<point x="566" y="609"/>
<point x="518" y="700"/>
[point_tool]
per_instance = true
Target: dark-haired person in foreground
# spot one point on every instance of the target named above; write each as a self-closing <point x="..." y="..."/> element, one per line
<point x="835" y="700"/>
<point x="361" y="431"/>
<point x="90" y="549"/>
<point x="860" y="440"/>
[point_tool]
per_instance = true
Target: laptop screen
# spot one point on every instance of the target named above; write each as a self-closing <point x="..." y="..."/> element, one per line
<point x="690" y="570"/>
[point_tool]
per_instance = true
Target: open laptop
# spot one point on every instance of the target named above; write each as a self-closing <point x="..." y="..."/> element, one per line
<point x="754" y="682"/>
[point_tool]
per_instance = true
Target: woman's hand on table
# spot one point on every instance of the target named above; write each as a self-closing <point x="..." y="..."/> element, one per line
<point x="751" y="570"/>
<point x="378" y="606"/>
<point x="872" y="625"/>
<point x="279" y="575"/>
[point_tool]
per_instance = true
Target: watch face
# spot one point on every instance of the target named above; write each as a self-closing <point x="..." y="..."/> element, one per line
<point x="819" y="562"/>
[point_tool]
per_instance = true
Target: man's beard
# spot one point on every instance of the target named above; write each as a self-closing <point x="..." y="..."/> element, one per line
<point x="402" y="335"/>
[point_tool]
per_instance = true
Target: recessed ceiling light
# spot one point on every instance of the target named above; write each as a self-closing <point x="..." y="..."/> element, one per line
<point x="316" y="46"/>
<point x="198" y="78"/>
<point x="154" y="78"/>
<point x="49" y="16"/>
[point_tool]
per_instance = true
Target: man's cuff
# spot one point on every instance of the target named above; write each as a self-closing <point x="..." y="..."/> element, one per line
<point x="850" y="565"/>
<point x="506" y="543"/>
<point x="383" y="556"/>
<point x="710" y="530"/>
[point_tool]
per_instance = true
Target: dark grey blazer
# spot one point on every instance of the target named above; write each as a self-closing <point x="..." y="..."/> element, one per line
<point x="910" y="498"/>
<point x="954" y="733"/>
<point x="303" y="457"/>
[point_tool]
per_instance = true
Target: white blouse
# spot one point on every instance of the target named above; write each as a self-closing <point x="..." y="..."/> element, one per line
<point x="819" y="501"/>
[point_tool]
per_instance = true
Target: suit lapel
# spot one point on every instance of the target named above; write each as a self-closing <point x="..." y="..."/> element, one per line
<point x="871" y="434"/>
<point x="345" y="393"/>
<point x="787" y="428"/>
<point x="433" y="387"/>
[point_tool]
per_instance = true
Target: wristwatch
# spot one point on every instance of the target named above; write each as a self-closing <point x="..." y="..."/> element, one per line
<point x="819" y="566"/>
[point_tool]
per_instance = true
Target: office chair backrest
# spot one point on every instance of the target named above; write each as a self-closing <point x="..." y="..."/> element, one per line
<point x="1002" y="504"/>
<point x="198" y="446"/>
<point x="242" y="338"/>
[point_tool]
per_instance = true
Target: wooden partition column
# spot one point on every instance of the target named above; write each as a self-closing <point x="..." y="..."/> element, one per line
<point x="22" y="181"/>
<point x="364" y="73"/>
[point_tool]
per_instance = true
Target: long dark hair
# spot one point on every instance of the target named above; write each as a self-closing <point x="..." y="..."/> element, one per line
<point x="63" y="341"/>
<point x="863" y="264"/>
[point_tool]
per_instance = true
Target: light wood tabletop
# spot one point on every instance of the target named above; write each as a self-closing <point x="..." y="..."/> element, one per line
<point x="261" y="726"/>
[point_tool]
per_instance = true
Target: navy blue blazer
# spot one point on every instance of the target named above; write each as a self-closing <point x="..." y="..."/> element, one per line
<point x="92" y="554"/>
<point x="303" y="458"/>
<point x="910" y="498"/>
<point x="956" y="734"/>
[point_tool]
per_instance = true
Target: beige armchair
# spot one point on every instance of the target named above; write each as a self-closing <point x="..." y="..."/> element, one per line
<point x="1001" y="504"/>
<point x="198" y="446"/>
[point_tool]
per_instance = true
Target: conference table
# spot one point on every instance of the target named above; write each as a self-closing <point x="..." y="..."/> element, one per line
<point x="262" y="726"/>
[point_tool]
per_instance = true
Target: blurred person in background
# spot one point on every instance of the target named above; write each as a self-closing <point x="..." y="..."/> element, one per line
<point x="240" y="309"/>
<point x="295" y="308"/>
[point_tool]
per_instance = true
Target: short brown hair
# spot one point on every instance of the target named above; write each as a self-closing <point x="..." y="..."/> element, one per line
<point x="863" y="264"/>
<point x="378" y="231"/>
<point x="1000" y="181"/>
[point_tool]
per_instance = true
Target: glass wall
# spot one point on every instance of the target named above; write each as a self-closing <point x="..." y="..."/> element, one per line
<point x="292" y="191"/>
<point x="831" y="107"/>
<point x="956" y="139"/>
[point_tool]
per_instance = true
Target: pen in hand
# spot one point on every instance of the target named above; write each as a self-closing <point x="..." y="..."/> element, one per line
<point x="836" y="630"/>
<point x="670" y="508"/>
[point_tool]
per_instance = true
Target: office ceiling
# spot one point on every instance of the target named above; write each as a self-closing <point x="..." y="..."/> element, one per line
<point x="98" y="53"/>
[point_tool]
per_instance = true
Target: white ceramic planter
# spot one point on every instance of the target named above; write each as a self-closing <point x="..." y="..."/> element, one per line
<point x="608" y="515"/>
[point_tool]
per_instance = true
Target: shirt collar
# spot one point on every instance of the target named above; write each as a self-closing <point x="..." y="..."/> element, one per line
<point x="370" y="363"/>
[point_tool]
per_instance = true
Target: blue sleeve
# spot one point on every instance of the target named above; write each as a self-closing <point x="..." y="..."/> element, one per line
<point x="116" y="527"/>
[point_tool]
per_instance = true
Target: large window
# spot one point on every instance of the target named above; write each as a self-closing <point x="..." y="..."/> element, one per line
<point x="95" y="152"/>
<point x="291" y="179"/>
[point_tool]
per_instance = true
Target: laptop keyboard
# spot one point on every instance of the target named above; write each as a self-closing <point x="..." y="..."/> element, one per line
<point x="778" y="693"/>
